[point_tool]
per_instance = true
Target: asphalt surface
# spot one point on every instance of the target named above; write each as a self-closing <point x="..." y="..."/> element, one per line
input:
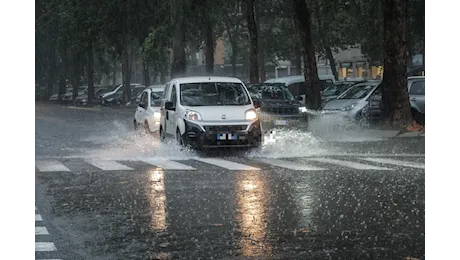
<point x="106" y="192"/>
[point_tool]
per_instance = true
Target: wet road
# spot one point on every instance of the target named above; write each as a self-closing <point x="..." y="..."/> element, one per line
<point x="103" y="192"/>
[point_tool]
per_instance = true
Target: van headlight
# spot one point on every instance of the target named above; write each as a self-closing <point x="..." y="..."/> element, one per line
<point x="302" y="109"/>
<point x="193" y="115"/>
<point x="251" y="115"/>
<point x="156" y="115"/>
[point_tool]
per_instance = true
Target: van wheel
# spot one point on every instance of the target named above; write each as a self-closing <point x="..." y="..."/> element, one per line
<point x="180" y="138"/>
<point x="162" y="135"/>
<point x="136" y="126"/>
<point x="147" y="127"/>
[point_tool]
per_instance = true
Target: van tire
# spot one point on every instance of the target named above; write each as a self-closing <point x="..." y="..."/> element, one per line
<point x="162" y="135"/>
<point x="180" y="138"/>
<point x="136" y="126"/>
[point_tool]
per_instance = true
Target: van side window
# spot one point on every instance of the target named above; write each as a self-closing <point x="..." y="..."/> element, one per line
<point x="166" y="90"/>
<point x="173" y="95"/>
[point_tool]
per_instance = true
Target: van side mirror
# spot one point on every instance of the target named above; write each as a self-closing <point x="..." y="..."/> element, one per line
<point x="169" y="105"/>
<point x="256" y="103"/>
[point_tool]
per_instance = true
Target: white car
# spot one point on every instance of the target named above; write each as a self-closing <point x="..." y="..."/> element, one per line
<point x="147" y="113"/>
<point x="209" y="112"/>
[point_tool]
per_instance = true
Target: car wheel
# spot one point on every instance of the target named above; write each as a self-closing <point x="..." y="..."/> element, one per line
<point x="162" y="135"/>
<point x="136" y="126"/>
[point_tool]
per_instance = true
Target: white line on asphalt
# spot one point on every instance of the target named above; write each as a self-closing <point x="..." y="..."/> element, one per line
<point x="227" y="164"/>
<point x="41" y="231"/>
<point x="107" y="165"/>
<point x="167" y="164"/>
<point x="51" y="166"/>
<point x="44" y="246"/>
<point x="353" y="165"/>
<point x="418" y="165"/>
<point x="38" y="217"/>
<point x="290" y="165"/>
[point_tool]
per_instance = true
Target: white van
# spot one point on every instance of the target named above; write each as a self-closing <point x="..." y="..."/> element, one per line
<point x="296" y="84"/>
<point x="209" y="112"/>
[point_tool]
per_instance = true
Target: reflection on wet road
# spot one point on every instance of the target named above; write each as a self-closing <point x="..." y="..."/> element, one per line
<point x="224" y="214"/>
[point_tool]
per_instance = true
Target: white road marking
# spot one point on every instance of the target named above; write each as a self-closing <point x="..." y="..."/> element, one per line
<point x="290" y="165"/>
<point x="41" y="231"/>
<point x="108" y="165"/>
<point x="44" y="246"/>
<point x="51" y="166"/>
<point x="348" y="164"/>
<point x="227" y="164"/>
<point x="418" y="165"/>
<point x="167" y="164"/>
<point x="38" y="217"/>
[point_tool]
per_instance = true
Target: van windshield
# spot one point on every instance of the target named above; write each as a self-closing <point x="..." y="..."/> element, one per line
<point x="213" y="94"/>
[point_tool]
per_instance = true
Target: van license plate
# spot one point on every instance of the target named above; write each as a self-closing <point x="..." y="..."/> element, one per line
<point x="281" y="122"/>
<point x="227" y="136"/>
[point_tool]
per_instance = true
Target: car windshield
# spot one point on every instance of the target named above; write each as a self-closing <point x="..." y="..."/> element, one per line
<point x="357" y="92"/>
<point x="213" y="94"/>
<point x="155" y="97"/>
<point x="278" y="92"/>
<point x="335" y="90"/>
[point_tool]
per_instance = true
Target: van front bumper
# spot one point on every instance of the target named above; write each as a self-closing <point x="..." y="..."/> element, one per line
<point x="222" y="136"/>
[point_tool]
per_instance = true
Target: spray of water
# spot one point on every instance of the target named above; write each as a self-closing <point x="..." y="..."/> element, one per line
<point x="119" y="140"/>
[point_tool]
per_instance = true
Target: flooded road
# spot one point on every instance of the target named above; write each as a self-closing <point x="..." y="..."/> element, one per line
<point x="105" y="192"/>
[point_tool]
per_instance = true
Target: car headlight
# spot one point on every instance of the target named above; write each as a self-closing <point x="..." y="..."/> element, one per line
<point x="193" y="115"/>
<point x="302" y="109"/>
<point x="156" y="115"/>
<point x="348" y="108"/>
<point x="250" y="115"/>
<point x="109" y="99"/>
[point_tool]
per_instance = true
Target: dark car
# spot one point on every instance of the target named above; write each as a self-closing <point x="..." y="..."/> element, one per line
<point x="279" y="108"/>
<point x="82" y="100"/>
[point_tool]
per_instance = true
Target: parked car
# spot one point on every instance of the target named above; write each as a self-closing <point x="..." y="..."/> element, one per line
<point x="296" y="84"/>
<point x="68" y="96"/>
<point x="55" y="97"/>
<point x="209" y="112"/>
<point x="147" y="113"/>
<point x="278" y="106"/>
<point x="116" y="92"/>
<point x="416" y="89"/>
<point x="82" y="100"/>
<point x="350" y="104"/>
<point x="115" y="97"/>
<point x="333" y="91"/>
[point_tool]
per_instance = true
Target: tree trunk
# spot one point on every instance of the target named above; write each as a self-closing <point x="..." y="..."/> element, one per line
<point x="210" y="46"/>
<point x="146" y="74"/>
<point x="90" y="72"/>
<point x="313" y="85"/>
<point x="260" y="47"/>
<point x="331" y="59"/>
<point x="395" y="97"/>
<point x="75" y="75"/>
<point x="298" y="59"/>
<point x="126" y="74"/>
<point x="253" y="48"/>
<point x="234" y="57"/>
<point x="178" y="66"/>
<point x="114" y="71"/>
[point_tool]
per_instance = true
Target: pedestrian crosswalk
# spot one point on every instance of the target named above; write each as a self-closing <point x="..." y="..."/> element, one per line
<point x="378" y="163"/>
<point x="44" y="248"/>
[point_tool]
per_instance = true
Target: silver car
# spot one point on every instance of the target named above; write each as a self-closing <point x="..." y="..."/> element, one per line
<point x="416" y="88"/>
<point x="351" y="103"/>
